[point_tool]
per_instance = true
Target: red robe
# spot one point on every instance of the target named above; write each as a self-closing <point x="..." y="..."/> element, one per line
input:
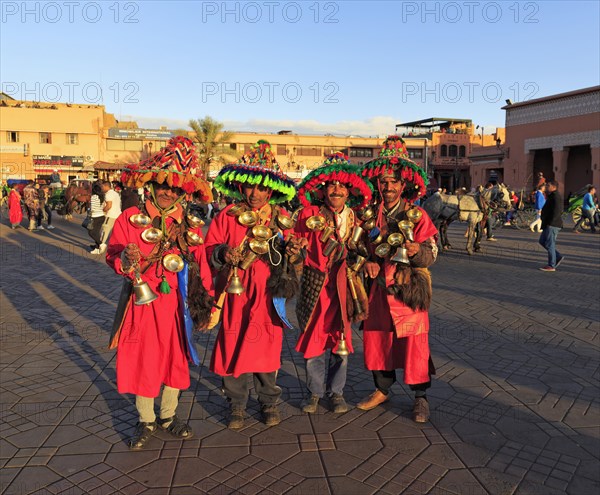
<point x="15" y="212"/>
<point x="251" y="333"/>
<point x="152" y="348"/>
<point x="394" y="335"/>
<point x="329" y="317"/>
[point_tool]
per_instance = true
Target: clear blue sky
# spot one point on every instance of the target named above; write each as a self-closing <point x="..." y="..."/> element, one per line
<point x="360" y="66"/>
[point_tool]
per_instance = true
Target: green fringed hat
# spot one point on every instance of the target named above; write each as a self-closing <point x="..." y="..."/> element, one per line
<point x="257" y="167"/>
<point x="393" y="160"/>
<point x="335" y="168"/>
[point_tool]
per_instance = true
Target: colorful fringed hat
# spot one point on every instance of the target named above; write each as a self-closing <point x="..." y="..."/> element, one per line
<point x="393" y="160"/>
<point x="176" y="164"/>
<point x="257" y="167"/>
<point x="335" y="168"/>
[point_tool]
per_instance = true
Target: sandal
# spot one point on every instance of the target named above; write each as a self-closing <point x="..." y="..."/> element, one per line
<point x="143" y="433"/>
<point x="176" y="427"/>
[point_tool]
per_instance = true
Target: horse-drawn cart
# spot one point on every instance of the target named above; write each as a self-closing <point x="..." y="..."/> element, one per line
<point x="574" y="207"/>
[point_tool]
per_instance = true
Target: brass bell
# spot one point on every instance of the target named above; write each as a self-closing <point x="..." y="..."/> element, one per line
<point x="406" y="227"/>
<point x="140" y="220"/>
<point x="152" y="235"/>
<point x="143" y="293"/>
<point x="342" y="348"/>
<point x="414" y="215"/>
<point x="235" y="284"/>
<point x="316" y="222"/>
<point x="401" y="256"/>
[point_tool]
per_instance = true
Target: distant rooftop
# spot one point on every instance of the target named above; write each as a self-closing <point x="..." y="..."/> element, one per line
<point x="436" y="122"/>
<point x="558" y="96"/>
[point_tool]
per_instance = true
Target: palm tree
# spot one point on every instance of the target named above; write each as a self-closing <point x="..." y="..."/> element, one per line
<point x="212" y="143"/>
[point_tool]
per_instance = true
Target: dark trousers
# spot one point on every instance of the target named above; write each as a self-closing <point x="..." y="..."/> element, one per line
<point x="237" y="390"/>
<point x="48" y="211"/>
<point x="385" y="379"/>
<point x="96" y="232"/>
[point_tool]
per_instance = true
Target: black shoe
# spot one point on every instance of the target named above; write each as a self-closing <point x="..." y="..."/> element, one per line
<point x="236" y="419"/>
<point x="143" y="433"/>
<point x="176" y="427"/>
<point x="338" y="404"/>
<point x="271" y="415"/>
<point x="310" y="405"/>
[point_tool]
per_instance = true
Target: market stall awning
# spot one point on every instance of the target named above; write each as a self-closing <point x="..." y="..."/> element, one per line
<point x="100" y="165"/>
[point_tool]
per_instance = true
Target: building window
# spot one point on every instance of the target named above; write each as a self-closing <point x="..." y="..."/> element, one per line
<point x="414" y="153"/>
<point x="12" y="136"/>
<point x="462" y="151"/>
<point x="444" y="150"/>
<point x="309" y="151"/>
<point x="281" y="149"/>
<point x="45" y="138"/>
<point x="72" y="138"/>
<point x="361" y="152"/>
<point x="453" y="150"/>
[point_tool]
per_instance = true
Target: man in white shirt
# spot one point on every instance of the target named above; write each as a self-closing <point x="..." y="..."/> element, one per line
<point x="112" y="210"/>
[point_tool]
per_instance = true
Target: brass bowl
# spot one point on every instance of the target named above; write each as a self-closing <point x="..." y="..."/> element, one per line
<point x="395" y="239"/>
<point x="370" y="224"/>
<point x="383" y="250"/>
<point x="366" y="213"/>
<point x="259" y="246"/>
<point x="248" y="218"/>
<point x="193" y="239"/>
<point x="173" y="263"/>
<point x="284" y="223"/>
<point x="405" y="225"/>
<point x="236" y="210"/>
<point x="414" y="215"/>
<point x="152" y="235"/>
<point x="140" y="220"/>
<point x="261" y="232"/>
<point x="194" y="221"/>
<point x="316" y="222"/>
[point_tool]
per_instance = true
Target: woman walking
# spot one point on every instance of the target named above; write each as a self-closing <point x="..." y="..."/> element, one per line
<point x="97" y="215"/>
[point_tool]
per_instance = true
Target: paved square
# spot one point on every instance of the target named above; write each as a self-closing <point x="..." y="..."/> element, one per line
<point x="515" y="402"/>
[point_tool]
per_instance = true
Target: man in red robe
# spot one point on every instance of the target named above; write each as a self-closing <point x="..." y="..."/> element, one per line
<point x="245" y="246"/>
<point x="158" y="247"/>
<point x="15" y="212"/>
<point x="396" y="332"/>
<point x="328" y="193"/>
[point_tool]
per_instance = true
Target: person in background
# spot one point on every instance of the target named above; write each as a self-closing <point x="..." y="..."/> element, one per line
<point x="539" y="201"/>
<point x="32" y="203"/>
<point x="97" y="214"/>
<point x="55" y="182"/>
<point x="588" y="211"/>
<point x="15" y="212"/>
<point x="551" y="225"/>
<point x="112" y="210"/>
<point x="129" y="197"/>
<point x="45" y="210"/>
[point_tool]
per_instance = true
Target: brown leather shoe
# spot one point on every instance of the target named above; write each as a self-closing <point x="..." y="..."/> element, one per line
<point x="372" y="401"/>
<point x="421" y="410"/>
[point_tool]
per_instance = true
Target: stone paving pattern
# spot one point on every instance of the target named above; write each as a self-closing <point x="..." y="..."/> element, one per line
<point x="515" y="403"/>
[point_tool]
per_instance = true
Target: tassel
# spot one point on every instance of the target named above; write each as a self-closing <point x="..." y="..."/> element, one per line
<point x="164" y="287"/>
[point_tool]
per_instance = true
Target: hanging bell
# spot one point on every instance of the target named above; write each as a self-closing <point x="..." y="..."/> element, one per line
<point x="342" y="348"/>
<point x="235" y="284"/>
<point x="401" y="256"/>
<point x="143" y="293"/>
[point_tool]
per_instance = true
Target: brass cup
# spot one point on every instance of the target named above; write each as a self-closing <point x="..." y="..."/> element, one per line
<point x="194" y="221"/>
<point x="377" y="239"/>
<point x="152" y="235"/>
<point x="140" y="220"/>
<point x="284" y="223"/>
<point x="259" y="246"/>
<point x="366" y="213"/>
<point x="395" y="239"/>
<point x="383" y="250"/>
<point x="330" y="247"/>
<point x="236" y="210"/>
<point x="173" y="263"/>
<point x="327" y="233"/>
<point x="316" y="222"/>
<point x="248" y="218"/>
<point x="406" y="227"/>
<point x="357" y="233"/>
<point x="193" y="239"/>
<point x="249" y="258"/>
<point x="261" y="232"/>
<point x="358" y="264"/>
<point x="370" y="224"/>
<point x="414" y="215"/>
